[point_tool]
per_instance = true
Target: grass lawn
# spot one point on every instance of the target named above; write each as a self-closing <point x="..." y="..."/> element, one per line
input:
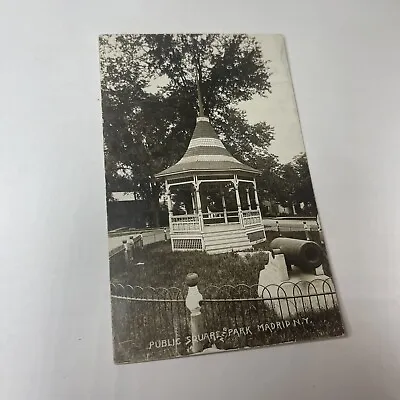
<point x="163" y="268"/>
<point x="138" y="323"/>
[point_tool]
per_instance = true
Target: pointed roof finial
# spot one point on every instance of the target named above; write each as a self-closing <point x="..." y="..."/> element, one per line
<point x="199" y="98"/>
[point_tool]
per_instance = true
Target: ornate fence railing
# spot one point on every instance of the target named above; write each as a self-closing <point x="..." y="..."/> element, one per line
<point x="254" y="303"/>
<point x="287" y="226"/>
<point x="251" y="217"/>
<point x="153" y="323"/>
<point x="185" y="223"/>
<point x="220" y="217"/>
<point x="147" y="323"/>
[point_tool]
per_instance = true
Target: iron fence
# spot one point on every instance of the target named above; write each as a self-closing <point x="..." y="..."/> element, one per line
<point x="143" y="317"/>
<point x="289" y="228"/>
<point x="256" y="315"/>
<point x="154" y="323"/>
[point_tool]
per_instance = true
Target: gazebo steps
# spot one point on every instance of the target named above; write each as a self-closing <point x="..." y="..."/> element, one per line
<point x="229" y="236"/>
<point x="219" y="228"/>
<point x="226" y="241"/>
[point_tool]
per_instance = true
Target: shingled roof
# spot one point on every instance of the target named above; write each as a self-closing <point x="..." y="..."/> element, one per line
<point x="206" y="154"/>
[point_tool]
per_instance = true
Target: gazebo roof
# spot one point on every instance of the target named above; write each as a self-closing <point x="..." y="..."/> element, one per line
<point x="206" y="154"/>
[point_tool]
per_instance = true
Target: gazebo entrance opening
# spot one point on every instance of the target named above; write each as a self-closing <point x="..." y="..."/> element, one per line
<point x="215" y="201"/>
<point x="206" y="210"/>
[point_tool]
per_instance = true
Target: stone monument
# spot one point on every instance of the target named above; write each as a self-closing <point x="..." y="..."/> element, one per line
<point x="293" y="280"/>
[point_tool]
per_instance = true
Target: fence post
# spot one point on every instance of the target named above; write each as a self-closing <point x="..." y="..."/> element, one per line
<point x="165" y="235"/>
<point x="141" y="240"/>
<point x="193" y="299"/>
<point x="321" y="234"/>
<point x="278" y="228"/>
<point x="307" y="230"/>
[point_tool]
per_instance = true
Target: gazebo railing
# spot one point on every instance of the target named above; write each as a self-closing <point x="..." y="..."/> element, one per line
<point x="219" y="217"/>
<point x="213" y="215"/>
<point x="185" y="223"/>
<point x="191" y="223"/>
<point x="251" y="217"/>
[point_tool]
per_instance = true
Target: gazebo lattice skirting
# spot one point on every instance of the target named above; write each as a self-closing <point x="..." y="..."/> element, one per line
<point x="228" y="227"/>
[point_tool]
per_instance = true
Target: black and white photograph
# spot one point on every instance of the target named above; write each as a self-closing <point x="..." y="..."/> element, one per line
<point x="199" y="200"/>
<point x="215" y="239"/>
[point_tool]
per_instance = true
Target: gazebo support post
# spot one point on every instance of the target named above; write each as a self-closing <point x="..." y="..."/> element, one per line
<point x="169" y="205"/>
<point x="256" y="198"/>
<point x="193" y="202"/>
<point x="223" y="204"/>
<point x="248" y="198"/>
<point x="198" y="201"/>
<point x="239" y="206"/>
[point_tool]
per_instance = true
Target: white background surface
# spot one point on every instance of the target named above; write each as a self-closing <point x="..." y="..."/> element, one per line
<point x="55" y="314"/>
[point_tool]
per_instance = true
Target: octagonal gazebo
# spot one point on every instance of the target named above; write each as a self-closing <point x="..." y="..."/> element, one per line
<point x="213" y="176"/>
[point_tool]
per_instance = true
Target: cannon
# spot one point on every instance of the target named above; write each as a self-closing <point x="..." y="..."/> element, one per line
<point x="304" y="254"/>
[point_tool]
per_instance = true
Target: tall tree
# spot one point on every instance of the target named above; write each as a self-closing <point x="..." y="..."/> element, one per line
<point x="147" y="128"/>
<point x="304" y="191"/>
<point x="271" y="185"/>
<point x="295" y="186"/>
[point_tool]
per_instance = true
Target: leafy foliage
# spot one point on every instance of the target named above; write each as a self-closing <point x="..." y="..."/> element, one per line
<point x="297" y="184"/>
<point x="149" y="99"/>
<point x="147" y="129"/>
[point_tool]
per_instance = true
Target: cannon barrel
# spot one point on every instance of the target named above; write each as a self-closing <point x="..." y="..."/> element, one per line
<point x="306" y="255"/>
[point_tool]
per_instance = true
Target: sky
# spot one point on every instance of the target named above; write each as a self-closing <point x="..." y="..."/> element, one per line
<point x="279" y="109"/>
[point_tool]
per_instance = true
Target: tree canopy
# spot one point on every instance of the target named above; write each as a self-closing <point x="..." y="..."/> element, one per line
<point x="149" y="100"/>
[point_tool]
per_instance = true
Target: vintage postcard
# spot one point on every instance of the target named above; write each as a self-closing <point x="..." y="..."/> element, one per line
<point x="215" y="242"/>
